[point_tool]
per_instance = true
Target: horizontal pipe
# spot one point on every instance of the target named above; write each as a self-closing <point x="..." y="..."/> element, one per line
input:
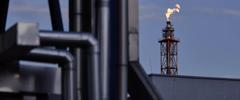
<point x="83" y="41"/>
<point x="69" y="39"/>
<point x="66" y="61"/>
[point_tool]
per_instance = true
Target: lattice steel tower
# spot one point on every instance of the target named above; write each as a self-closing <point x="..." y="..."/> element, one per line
<point x="169" y="51"/>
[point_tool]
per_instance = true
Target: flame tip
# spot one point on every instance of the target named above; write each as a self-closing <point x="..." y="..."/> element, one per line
<point x="170" y="11"/>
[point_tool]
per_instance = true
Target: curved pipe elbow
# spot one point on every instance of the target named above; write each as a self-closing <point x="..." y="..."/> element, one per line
<point x="64" y="56"/>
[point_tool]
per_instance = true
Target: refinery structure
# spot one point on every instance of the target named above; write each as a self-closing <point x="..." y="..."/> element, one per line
<point x="169" y="51"/>
<point x="96" y="59"/>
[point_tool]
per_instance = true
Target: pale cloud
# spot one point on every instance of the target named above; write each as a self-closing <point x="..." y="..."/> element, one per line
<point x="24" y="6"/>
<point x="149" y="17"/>
<point x="205" y="11"/>
<point x="216" y="11"/>
<point x="231" y="12"/>
<point x="34" y="7"/>
<point x="34" y="11"/>
<point x="28" y="9"/>
<point x="150" y="12"/>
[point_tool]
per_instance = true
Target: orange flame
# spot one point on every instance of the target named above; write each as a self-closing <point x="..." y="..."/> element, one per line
<point x="170" y="11"/>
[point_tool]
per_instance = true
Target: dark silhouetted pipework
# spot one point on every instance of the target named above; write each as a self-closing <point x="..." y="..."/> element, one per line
<point x="80" y="15"/>
<point x="75" y="25"/>
<point x="56" y="17"/>
<point x="66" y="61"/>
<point x="81" y="20"/>
<point x="3" y="14"/>
<point x="102" y="62"/>
<point x="123" y="54"/>
<point x="169" y="52"/>
<point x="119" y="50"/>
<point x="84" y="41"/>
<point x="103" y="37"/>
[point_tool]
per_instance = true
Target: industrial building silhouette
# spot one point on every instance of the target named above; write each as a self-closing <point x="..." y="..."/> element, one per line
<point x="96" y="59"/>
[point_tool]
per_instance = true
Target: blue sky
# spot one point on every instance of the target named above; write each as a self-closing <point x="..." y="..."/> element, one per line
<point x="209" y="34"/>
<point x="208" y="30"/>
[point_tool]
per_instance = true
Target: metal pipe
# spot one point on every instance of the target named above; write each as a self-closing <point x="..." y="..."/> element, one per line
<point x="114" y="50"/>
<point x="71" y="39"/>
<point x="81" y="72"/>
<point x="56" y="16"/>
<point x="75" y="19"/>
<point x="80" y="21"/>
<point x="84" y="41"/>
<point x="75" y="13"/>
<point x="123" y="60"/>
<point x="118" y="57"/>
<point x="66" y="61"/>
<point x="103" y="36"/>
<point x="80" y="16"/>
<point x="3" y="12"/>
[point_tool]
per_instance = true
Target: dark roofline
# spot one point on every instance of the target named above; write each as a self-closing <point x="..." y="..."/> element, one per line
<point x="195" y="77"/>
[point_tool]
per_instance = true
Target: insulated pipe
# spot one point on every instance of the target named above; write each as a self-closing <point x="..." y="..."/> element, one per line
<point x="75" y="15"/>
<point x="66" y="61"/>
<point x="123" y="44"/>
<point x="103" y="36"/>
<point x="75" y="19"/>
<point x="80" y="21"/>
<point x="3" y="12"/>
<point x="83" y="41"/>
<point x="55" y="13"/>
<point x="80" y="15"/>
<point x="119" y="53"/>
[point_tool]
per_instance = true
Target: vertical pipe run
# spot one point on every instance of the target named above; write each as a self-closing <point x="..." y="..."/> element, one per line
<point x="103" y="36"/>
<point x="80" y="15"/>
<point x="56" y="16"/>
<point x="75" y="25"/>
<point x="118" y="57"/>
<point x="114" y="50"/>
<point x="123" y="60"/>
<point x="82" y="20"/>
<point x="94" y="79"/>
<point x="75" y="11"/>
<point x="89" y="57"/>
<point x="77" y="55"/>
<point x="3" y="14"/>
